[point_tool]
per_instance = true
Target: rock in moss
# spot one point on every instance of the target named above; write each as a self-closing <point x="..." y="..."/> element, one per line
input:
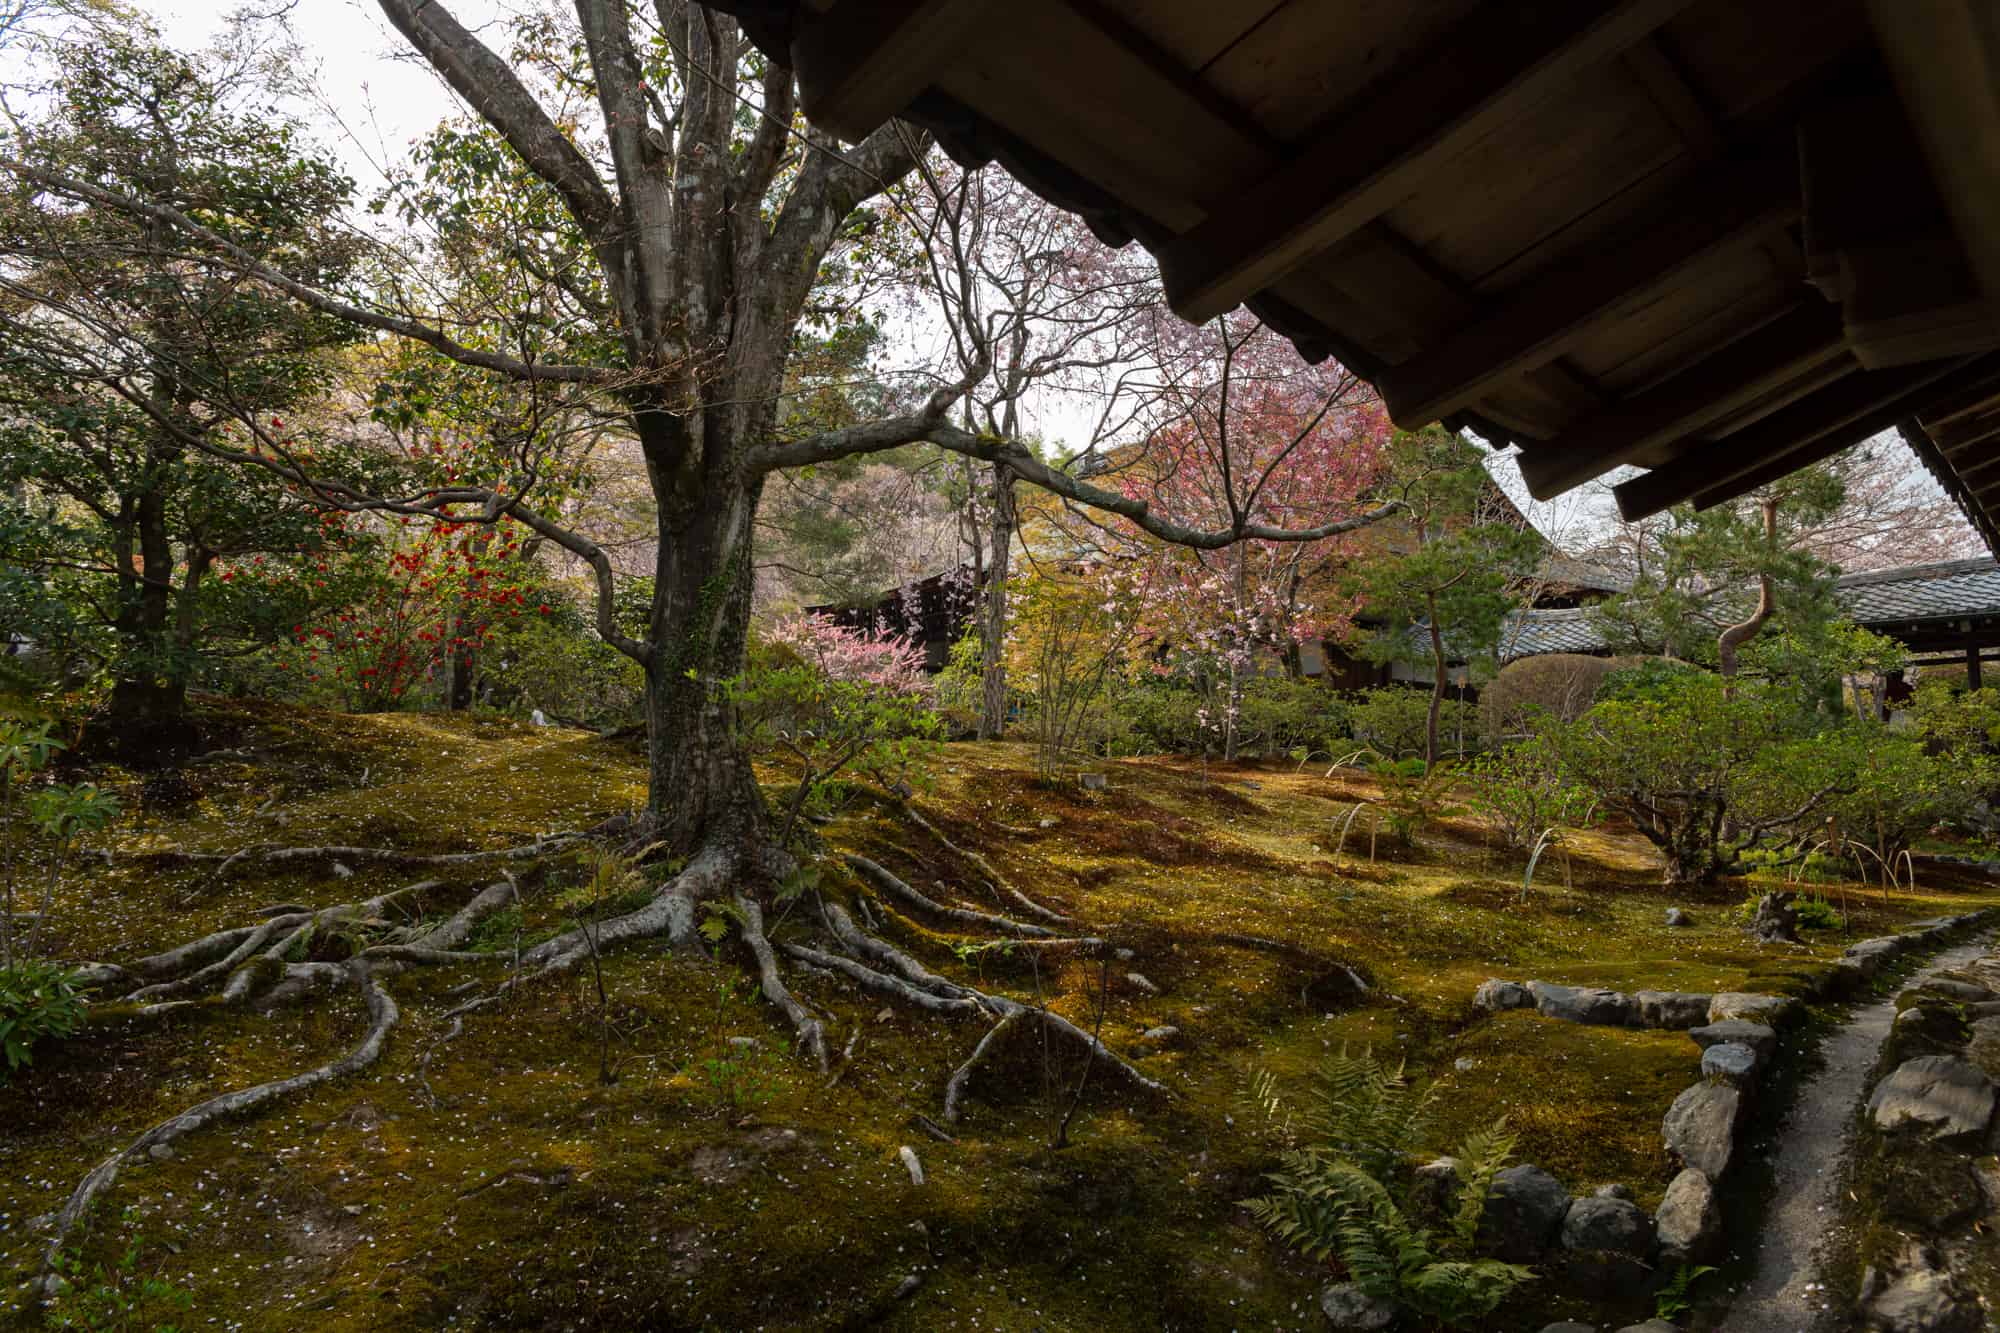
<point x="1524" y="1212"/>
<point x="1679" y="919"/>
<point x="1740" y="1031"/>
<point x="1606" y="1242"/>
<point x="1773" y="1011"/>
<point x="1732" y="1063"/>
<point x="1700" y="1127"/>
<point x="1939" y="1097"/>
<point x="1652" y="1326"/>
<point x="1584" y="1004"/>
<point x="1608" y="1224"/>
<point x="1689" y="1223"/>
<point x="1347" y="1306"/>
<point x="1570" y="1326"/>
<point x="1924" y="1301"/>
<point x="1495" y="996"/>
<point x="1982" y="1046"/>
<point x="1671" y="1008"/>
<point x="1434" y="1191"/>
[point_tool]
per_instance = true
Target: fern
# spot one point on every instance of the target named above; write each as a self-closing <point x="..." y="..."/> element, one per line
<point x="1338" y="1196"/>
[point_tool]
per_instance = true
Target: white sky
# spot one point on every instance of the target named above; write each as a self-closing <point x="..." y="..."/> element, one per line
<point x="375" y="98"/>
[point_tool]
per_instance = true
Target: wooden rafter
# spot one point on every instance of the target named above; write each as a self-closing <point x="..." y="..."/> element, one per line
<point x="1552" y="311"/>
<point x="861" y="62"/>
<point x="1400" y="134"/>
<point x="1849" y="404"/>
<point x="1688" y="402"/>
<point x="1944" y="56"/>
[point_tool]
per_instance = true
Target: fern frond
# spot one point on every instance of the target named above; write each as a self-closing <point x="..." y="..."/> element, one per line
<point x="1481" y="1157"/>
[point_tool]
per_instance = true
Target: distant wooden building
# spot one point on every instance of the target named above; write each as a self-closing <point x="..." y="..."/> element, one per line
<point x="1944" y="614"/>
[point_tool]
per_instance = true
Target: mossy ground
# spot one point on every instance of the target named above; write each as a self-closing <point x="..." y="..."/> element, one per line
<point x="713" y="1185"/>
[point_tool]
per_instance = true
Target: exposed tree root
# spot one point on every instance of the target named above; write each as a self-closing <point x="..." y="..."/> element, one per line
<point x="999" y="881"/>
<point x="908" y="981"/>
<point x="812" y="1035"/>
<point x="954" y="1088"/>
<point x="382" y="1016"/>
<point x="389" y="856"/>
<point x="957" y="916"/>
<point x="268" y="963"/>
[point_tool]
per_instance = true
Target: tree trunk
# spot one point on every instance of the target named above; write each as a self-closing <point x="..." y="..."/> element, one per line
<point x="1438" y="683"/>
<point x="993" y="612"/>
<point x="702" y="794"/>
<point x="151" y="685"/>
<point x="1737" y="635"/>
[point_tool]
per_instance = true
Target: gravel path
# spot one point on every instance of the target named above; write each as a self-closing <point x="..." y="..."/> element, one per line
<point x="1782" y="1296"/>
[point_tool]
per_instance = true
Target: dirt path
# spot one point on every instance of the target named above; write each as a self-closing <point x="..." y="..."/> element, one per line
<point x="1783" y="1294"/>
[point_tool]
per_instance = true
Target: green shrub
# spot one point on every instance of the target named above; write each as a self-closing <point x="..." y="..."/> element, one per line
<point x="1344" y="1190"/>
<point x="1646" y="679"/>
<point x="1392" y="718"/>
<point x="1279" y="715"/>
<point x="38" y="999"/>
<point x="1524" y="790"/>
<point x="1555" y="685"/>
<point x="1160" y="717"/>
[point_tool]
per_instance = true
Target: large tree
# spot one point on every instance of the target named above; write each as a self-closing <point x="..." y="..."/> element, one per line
<point x="682" y="217"/>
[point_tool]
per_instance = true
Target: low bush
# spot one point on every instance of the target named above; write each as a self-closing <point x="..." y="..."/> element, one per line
<point x="1555" y="685"/>
<point x="1524" y="791"/>
<point x="1279" y="715"/>
<point x="38" y="1000"/>
<point x="1393" y="719"/>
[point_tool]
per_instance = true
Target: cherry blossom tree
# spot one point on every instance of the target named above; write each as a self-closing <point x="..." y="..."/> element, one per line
<point x="1243" y="431"/>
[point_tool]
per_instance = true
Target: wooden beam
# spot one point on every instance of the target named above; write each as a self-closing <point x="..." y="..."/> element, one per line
<point x="1697" y="397"/>
<point x="1675" y="98"/>
<point x="1709" y="465"/>
<point x="1539" y="321"/>
<point x="1501" y="61"/>
<point x="1976" y="376"/>
<point x="1944" y="56"/>
<point x="863" y="61"/>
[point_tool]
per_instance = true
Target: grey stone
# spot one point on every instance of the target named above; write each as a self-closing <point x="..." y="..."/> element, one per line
<point x="1776" y="920"/>
<point x="1435" y="1189"/>
<point x="1672" y="1008"/>
<point x="1652" y="1326"/>
<point x="1616" y="1226"/>
<point x="1982" y="1044"/>
<point x="1922" y="1302"/>
<point x="1958" y="990"/>
<point x="1584" y="1004"/>
<point x="1940" y="1097"/>
<point x="1731" y="1063"/>
<point x="1495" y="995"/>
<point x="1094" y="781"/>
<point x="1689" y="1223"/>
<point x="1569" y="1326"/>
<point x="1700" y="1127"/>
<point x="1524" y="1211"/>
<point x="1678" y="919"/>
<point x="1347" y="1306"/>
<point x="1773" y="1011"/>
<point x="1613" y="1191"/>
<point x="1140" y="983"/>
<point x="1756" y="1036"/>
<point x="1871" y="956"/>
<point x="161" y="1152"/>
<point x="1164" y="1032"/>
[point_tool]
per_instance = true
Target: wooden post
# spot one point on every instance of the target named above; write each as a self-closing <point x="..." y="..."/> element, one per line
<point x="1972" y="665"/>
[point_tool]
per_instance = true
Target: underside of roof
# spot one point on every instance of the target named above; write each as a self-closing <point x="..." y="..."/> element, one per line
<point x="1713" y="239"/>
